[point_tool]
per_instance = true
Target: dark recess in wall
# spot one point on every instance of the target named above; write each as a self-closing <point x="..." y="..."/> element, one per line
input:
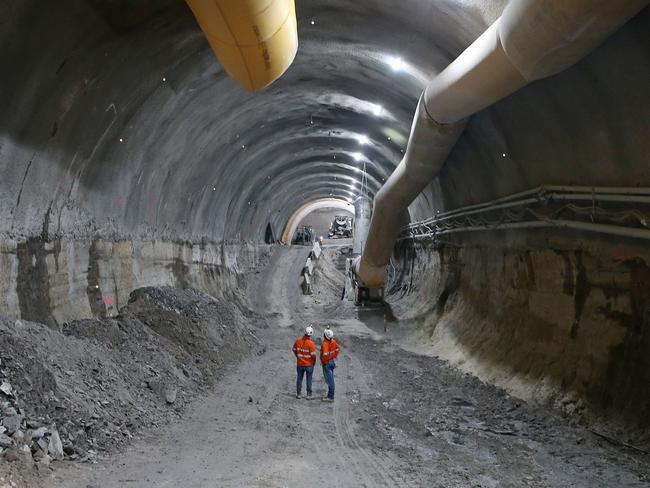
<point x="32" y="284"/>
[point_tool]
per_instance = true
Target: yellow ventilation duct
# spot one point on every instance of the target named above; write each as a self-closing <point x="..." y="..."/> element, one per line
<point x="254" y="40"/>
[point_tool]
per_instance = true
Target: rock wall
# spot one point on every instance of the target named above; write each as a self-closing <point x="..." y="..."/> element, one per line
<point x="567" y="324"/>
<point x="55" y="281"/>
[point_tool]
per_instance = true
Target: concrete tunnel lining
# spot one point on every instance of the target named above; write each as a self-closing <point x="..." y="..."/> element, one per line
<point x="128" y="158"/>
<point x="86" y="107"/>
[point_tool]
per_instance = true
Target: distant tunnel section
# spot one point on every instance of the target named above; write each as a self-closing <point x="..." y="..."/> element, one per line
<point x="318" y="214"/>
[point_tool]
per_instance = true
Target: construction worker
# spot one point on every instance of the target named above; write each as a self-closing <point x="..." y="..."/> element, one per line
<point x="329" y="351"/>
<point x="305" y="352"/>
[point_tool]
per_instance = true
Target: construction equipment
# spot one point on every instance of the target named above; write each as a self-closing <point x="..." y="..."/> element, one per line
<point x="341" y="227"/>
<point x="304" y="235"/>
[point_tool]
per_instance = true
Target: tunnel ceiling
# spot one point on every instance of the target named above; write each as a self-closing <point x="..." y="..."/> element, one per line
<point x="118" y="119"/>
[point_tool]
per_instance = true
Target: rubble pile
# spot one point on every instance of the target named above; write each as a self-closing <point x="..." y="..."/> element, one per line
<point x="87" y="388"/>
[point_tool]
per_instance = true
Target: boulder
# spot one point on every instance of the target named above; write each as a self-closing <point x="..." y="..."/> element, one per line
<point x="55" y="446"/>
<point x="12" y="455"/>
<point x="6" y="441"/>
<point x="12" y="423"/>
<point x="165" y="390"/>
<point x="6" y="388"/>
<point x="38" y="433"/>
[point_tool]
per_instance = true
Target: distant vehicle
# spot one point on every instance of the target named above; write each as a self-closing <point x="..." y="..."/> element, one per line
<point x="304" y="235"/>
<point x="341" y="227"/>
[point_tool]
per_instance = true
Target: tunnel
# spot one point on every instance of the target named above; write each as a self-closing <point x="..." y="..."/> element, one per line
<point x="150" y="282"/>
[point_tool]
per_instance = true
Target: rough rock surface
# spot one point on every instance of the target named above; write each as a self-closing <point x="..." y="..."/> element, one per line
<point x="565" y="327"/>
<point x="87" y="388"/>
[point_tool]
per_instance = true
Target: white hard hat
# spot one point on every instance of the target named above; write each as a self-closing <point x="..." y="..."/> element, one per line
<point x="309" y="331"/>
<point x="328" y="333"/>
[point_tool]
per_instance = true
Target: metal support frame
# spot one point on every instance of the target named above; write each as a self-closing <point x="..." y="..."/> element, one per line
<point x="609" y="213"/>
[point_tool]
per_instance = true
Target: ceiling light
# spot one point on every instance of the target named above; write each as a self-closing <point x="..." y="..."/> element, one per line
<point x="362" y="139"/>
<point x="376" y="109"/>
<point x="396" y="63"/>
<point x="357" y="156"/>
<point x="394" y="136"/>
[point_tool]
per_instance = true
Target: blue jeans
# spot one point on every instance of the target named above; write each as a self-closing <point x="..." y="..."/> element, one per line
<point x="301" y="370"/>
<point x="328" y="374"/>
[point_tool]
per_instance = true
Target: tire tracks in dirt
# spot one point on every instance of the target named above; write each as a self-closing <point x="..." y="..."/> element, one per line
<point x="348" y="436"/>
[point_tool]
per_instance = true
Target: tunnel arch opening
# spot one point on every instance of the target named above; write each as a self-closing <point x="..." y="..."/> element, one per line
<point x="304" y="210"/>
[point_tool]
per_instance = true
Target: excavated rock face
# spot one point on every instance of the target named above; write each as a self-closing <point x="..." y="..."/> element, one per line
<point x="557" y="324"/>
<point x="129" y="158"/>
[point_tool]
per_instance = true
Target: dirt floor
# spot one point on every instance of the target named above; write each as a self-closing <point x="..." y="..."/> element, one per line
<point x="399" y="419"/>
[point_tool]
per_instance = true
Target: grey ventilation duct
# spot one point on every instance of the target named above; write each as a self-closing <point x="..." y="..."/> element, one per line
<point x="531" y="40"/>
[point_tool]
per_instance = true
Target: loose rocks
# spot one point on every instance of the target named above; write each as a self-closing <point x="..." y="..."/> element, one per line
<point x="6" y="441"/>
<point x="100" y="381"/>
<point x="12" y="423"/>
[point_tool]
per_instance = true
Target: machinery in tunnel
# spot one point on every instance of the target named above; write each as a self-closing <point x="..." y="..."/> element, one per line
<point x="341" y="227"/>
<point x="304" y="235"/>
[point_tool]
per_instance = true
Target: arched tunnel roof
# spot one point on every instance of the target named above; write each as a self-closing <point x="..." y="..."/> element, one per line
<point x="118" y="118"/>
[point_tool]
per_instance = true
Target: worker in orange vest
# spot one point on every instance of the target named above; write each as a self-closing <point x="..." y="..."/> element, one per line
<point x="329" y="351"/>
<point x="305" y="352"/>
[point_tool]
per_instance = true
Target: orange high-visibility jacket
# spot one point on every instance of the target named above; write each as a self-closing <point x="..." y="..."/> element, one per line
<point x="328" y="350"/>
<point x="305" y="351"/>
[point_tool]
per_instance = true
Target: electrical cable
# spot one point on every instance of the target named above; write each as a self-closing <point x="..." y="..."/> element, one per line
<point x="535" y="203"/>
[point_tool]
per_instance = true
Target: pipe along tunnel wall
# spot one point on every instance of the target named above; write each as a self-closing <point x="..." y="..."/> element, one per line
<point x="124" y="147"/>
